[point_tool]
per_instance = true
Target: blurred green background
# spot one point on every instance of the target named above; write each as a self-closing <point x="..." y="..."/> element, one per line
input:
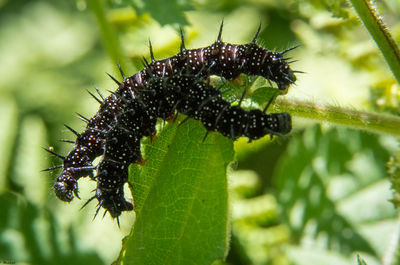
<point x="319" y="196"/>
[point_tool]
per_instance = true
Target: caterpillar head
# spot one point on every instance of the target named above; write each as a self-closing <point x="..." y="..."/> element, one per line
<point x="285" y="76"/>
<point x="66" y="186"/>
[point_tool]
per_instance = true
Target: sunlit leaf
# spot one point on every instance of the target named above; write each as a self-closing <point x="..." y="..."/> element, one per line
<point x="183" y="187"/>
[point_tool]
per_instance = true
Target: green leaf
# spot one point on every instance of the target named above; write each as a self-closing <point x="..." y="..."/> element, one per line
<point x="264" y="94"/>
<point x="181" y="199"/>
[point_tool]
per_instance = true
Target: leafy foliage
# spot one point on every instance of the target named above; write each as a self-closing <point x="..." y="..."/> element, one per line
<point x="324" y="190"/>
<point x="319" y="196"/>
<point x="32" y="234"/>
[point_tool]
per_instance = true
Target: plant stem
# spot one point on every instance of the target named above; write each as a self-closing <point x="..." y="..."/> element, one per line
<point x="372" y="122"/>
<point x="368" y="13"/>
<point x="108" y="34"/>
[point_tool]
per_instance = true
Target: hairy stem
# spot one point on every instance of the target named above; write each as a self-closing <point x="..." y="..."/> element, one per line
<point x="372" y="122"/>
<point x="368" y="13"/>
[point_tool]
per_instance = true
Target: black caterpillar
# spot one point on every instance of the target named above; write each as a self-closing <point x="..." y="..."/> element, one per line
<point x="161" y="89"/>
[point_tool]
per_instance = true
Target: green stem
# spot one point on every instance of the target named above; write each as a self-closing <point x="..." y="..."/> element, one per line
<point x="107" y="32"/>
<point x="372" y="122"/>
<point x="368" y="13"/>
